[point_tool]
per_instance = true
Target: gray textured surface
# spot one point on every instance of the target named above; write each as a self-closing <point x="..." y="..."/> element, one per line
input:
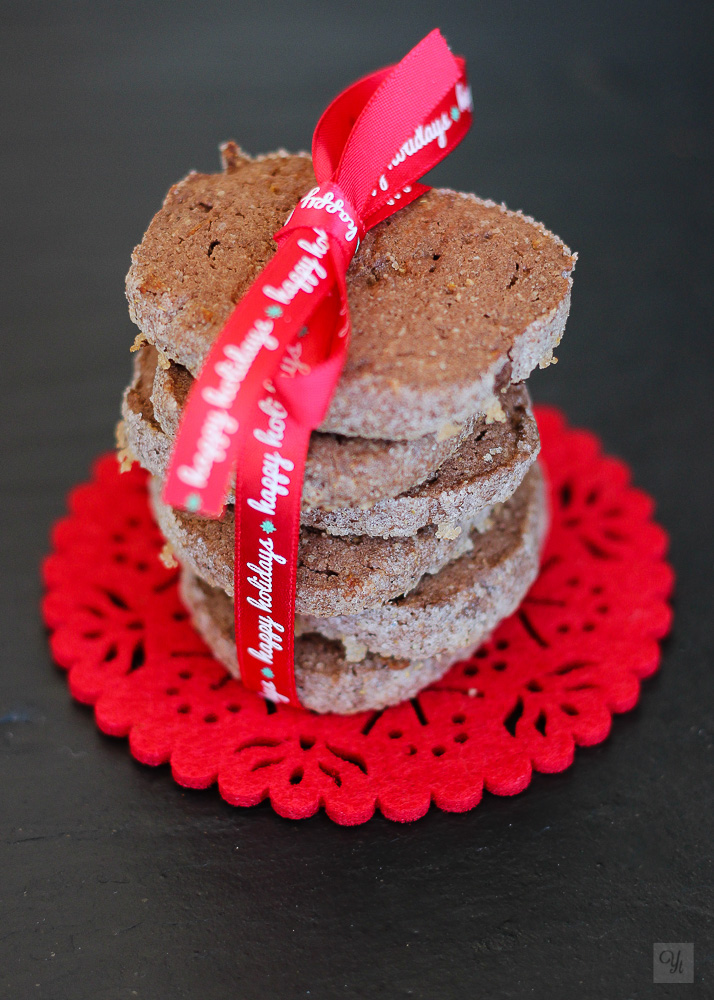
<point x="117" y="884"/>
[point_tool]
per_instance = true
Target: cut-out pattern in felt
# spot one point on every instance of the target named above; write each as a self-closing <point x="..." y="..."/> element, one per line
<point x="548" y="680"/>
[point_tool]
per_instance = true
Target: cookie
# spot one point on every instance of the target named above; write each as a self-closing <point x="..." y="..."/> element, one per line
<point x="335" y="575"/>
<point x="340" y="471"/>
<point x="464" y="601"/>
<point x="457" y="608"/>
<point x="326" y="681"/>
<point x="485" y="470"/>
<point x="450" y="299"/>
<point x="139" y="435"/>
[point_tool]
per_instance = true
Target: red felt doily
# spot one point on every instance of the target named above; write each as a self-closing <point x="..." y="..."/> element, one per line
<point x="549" y="679"/>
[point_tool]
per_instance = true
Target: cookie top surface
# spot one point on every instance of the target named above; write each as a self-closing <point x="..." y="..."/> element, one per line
<point x="442" y="295"/>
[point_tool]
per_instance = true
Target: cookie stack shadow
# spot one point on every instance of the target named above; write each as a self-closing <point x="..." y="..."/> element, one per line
<point x="423" y="507"/>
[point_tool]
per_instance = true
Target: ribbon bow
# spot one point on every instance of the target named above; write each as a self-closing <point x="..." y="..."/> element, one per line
<point x="270" y="375"/>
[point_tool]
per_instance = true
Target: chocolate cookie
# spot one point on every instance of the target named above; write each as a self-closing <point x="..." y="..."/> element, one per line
<point x="340" y="471"/>
<point x="326" y="680"/>
<point x="335" y="576"/>
<point x="464" y="601"/>
<point x="450" y="299"/>
<point x="485" y="470"/>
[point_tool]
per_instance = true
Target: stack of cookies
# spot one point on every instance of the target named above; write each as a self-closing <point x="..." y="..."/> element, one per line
<point x="423" y="507"/>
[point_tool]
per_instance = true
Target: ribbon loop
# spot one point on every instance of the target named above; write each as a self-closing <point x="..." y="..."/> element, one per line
<point x="270" y="375"/>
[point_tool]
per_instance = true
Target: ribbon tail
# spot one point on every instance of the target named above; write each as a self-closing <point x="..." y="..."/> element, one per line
<point x="267" y="538"/>
<point x="268" y="498"/>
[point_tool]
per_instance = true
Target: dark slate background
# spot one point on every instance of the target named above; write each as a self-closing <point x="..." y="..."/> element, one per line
<point x="115" y="883"/>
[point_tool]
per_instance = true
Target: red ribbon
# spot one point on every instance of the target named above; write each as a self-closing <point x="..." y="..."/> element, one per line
<point x="268" y="380"/>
